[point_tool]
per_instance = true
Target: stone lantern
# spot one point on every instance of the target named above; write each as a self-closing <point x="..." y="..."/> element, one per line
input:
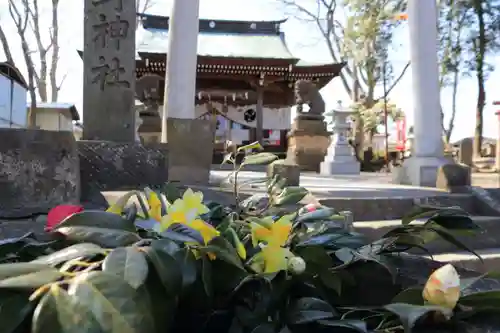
<point x="340" y="159"/>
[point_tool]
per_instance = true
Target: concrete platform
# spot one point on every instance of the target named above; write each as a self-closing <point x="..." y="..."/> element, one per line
<point x="369" y="196"/>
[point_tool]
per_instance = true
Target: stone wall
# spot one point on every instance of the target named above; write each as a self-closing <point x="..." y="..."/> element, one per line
<point x="38" y="170"/>
<point x="112" y="166"/>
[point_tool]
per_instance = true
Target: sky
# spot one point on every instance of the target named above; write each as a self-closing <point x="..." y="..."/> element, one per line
<point x="302" y="39"/>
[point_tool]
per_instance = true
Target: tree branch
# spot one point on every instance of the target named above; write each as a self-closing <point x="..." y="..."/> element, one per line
<point x="395" y="83"/>
<point x="21" y="23"/>
<point x="54" y="87"/>
<point x="6" y="47"/>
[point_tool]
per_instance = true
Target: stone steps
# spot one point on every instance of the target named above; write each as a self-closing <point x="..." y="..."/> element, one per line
<point x="490" y="263"/>
<point x="391" y="208"/>
<point x="489" y="237"/>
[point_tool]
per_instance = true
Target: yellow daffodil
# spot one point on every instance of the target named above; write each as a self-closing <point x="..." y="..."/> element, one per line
<point x="443" y="287"/>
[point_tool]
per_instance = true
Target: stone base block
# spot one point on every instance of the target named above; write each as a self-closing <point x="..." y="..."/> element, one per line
<point x="420" y="171"/>
<point x="285" y="169"/>
<point x="191" y="144"/>
<point x="340" y="168"/>
<point x="453" y="177"/>
<point x="306" y="160"/>
<point x="113" y="166"/>
<point x="38" y="170"/>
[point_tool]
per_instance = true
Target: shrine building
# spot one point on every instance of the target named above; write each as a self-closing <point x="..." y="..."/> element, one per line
<point x="245" y="79"/>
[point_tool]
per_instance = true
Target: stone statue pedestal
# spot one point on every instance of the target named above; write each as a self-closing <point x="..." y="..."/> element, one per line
<point x="340" y="158"/>
<point x="308" y="141"/>
<point x="190" y="146"/>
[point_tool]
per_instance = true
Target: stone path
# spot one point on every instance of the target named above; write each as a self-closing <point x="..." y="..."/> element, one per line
<point x="365" y="185"/>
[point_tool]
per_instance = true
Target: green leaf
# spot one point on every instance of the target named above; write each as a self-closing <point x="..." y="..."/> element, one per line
<point x="97" y="218"/>
<point x="450" y="238"/>
<point x="409" y="314"/>
<point x="167" y="268"/>
<point x="31" y="280"/>
<point x="70" y="253"/>
<point x="320" y="214"/>
<point x="15" y="307"/>
<point x="187" y="261"/>
<point x="485" y="299"/>
<point x="206" y="275"/>
<point x="223" y="250"/>
<point x="427" y="211"/>
<point x="332" y="280"/>
<point x="59" y="312"/>
<point x="259" y="159"/>
<point x="127" y="263"/>
<point x="316" y="258"/>
<point x="21" y="268"/>
<point x="411" y="295"/>
<point x="308" y="310"/>
<point x="253" y="145"/>
<point x="107" y="238"/>
<point x="455" y="220"/>
<point x="264" y="328"/>
<point x="119" y="206"/>
<point x="171" y="192"/>
<point x="290" y="196"/>
<point x="346" y="325"/>
<point x="115" y="305"/>
<point x="335" y="240"/>
<point x="227" y="158"/>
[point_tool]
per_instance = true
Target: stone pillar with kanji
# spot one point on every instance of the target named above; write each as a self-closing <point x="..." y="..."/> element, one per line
<point x="109" y="70"/>
<point x="190" y="141"/>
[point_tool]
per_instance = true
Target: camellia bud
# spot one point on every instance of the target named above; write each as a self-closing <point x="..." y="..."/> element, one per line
<point x="443" y="287"/>
<point x="296" y="265"/>
<point x="309" y="208"/>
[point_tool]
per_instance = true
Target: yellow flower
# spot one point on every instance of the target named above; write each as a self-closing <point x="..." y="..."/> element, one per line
<point x="276" y="235"/>
<point x="273" y="257"/>
<point x="443" y="287"/>
<point x="155" y="205"/>
<point x="192" y="201"/>
<point x="207" y="231"/>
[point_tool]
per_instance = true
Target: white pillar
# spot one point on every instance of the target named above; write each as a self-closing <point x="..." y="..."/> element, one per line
<point x="422" y="21"/>
<point x="180" y="79"/>
<point x="427" y="154"/>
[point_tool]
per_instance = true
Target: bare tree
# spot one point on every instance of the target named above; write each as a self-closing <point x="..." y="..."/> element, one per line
<point x="360" y="40"/>
<point x="55" y="87"/>
<point x="6" y="47"/>
<point x="19" y="11"/>
<point x="142" y="6"/>
<point x="45" y="78"/>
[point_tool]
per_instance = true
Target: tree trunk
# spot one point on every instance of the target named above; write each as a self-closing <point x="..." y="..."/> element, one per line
<point x="54" y="87"/>
<point x="6" y="47"/>
<point x="481" y="97"/>
<point x="359" y="133"/>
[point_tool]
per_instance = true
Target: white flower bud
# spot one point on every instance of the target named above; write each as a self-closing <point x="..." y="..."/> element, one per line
<point x="296" y="265"/>
<point x="443" y="287"/>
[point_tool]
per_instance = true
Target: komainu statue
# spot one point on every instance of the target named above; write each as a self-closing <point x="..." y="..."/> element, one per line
<point x="306" y="92"/>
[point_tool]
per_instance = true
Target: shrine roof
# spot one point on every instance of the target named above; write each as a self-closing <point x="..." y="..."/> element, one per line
<point x="220" y="38"/>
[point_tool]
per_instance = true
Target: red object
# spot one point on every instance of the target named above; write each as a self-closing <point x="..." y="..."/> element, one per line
<point x="59" y="213"/>
<point x="311" y="207"/>
<point x="401" y="134"/>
